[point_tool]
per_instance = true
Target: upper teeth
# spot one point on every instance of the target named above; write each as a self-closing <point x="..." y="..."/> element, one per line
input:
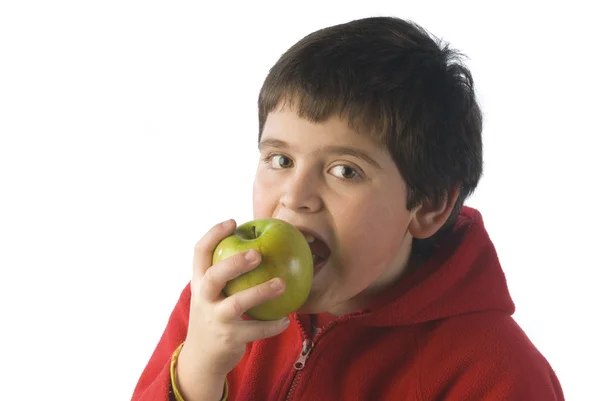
<point x="309" y="238"/>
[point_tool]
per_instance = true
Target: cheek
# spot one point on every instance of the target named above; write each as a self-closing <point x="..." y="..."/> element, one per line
<point x="263" y="197"/>
<point x="373" y="235"/>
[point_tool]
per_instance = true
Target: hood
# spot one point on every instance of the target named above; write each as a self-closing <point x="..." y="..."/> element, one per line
<point x="462" y="276"/>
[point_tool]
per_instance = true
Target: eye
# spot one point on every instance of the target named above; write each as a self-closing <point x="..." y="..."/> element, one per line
<point x="344" y="172"/>
<point x="280" y="161"/>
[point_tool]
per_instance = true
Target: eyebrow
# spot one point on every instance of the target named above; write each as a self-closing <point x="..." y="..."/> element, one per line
<point x="333" y="149"/>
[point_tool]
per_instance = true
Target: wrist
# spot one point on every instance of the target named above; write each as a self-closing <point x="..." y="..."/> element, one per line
<point x="196" y="383"/>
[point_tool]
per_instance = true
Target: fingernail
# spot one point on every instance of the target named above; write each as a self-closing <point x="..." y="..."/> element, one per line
<point x="286" y="322"/>
<point x="251" y="255"/>
<point x="228" y="223"/>
<point x="276" y="284"/>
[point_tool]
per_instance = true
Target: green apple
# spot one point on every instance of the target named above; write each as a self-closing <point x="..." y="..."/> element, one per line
<point x="285" y="253"/>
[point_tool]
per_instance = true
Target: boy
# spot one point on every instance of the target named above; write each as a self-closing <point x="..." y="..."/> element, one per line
<point x="370" y="141"/>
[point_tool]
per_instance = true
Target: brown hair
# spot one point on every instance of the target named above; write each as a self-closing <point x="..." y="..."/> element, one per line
<point x="395" y="82"/>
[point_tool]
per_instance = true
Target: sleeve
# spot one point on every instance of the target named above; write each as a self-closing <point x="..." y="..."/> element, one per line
<point x="154" y="383"/>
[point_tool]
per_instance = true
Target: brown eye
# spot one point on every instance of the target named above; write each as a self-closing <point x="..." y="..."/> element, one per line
<point x="281" y="161"/>
<point x="344" y="172"/>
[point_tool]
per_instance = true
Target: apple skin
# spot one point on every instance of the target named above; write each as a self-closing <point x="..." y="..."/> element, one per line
<point x="285" y="253"/>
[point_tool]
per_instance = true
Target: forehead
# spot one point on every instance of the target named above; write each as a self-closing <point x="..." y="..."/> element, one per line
<point x="285" y="124"/>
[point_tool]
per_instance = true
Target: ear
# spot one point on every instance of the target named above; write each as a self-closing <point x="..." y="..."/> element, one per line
<point x="428" y="218"/>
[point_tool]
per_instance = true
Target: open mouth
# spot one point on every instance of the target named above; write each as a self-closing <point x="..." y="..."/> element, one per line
<point x="320" y="251"/>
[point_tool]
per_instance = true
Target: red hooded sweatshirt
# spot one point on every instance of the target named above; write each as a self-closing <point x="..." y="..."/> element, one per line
<point x="444" y="332"/>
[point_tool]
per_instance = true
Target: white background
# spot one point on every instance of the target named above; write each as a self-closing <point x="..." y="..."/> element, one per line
<point x="128" y="128"/>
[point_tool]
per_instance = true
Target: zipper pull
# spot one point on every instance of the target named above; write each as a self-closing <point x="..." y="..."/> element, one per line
<point x="301" y="361"/>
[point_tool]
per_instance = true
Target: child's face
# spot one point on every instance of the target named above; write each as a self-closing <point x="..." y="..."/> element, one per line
<point x="313" y="176"/>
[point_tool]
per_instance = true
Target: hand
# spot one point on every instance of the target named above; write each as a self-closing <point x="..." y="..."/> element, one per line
<point x="217" y="334"/>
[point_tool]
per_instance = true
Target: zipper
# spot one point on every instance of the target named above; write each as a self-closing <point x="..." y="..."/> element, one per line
<point x="307" y="346"/>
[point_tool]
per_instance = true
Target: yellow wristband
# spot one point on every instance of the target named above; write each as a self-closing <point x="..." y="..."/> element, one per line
<point x="176" y="392"/>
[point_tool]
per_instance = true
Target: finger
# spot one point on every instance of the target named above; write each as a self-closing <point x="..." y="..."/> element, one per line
<point x="254" y="330"/>
<point x="203" y="250"/>
<point x="237" y="304"/>
<point x="214" y="279"/>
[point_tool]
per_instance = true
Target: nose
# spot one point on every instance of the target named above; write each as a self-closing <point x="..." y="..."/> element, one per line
<point x="301" y="193"/>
